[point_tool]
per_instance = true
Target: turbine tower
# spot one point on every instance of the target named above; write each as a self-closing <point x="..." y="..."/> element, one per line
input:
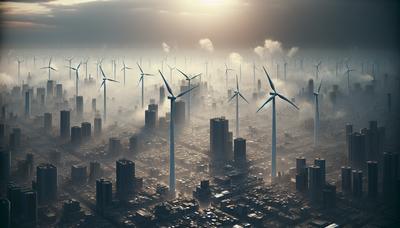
<point x="49" y="67"/>
<point x="98" y="63"/>
<point x="86" y="62"/>
<point x="348" y="77"/>
<point x="76" y="69"/>
<point x="237" y="94"/>
<point x="189" y="79"/>
<point x="69" y="60"/>
<point x="172" y="98"/>
<point x="274" y="94"/>
<point x="317" y="69"/>
<point x="170" y="72"/>
<point x="19" y="61"/>
<point x="105" y="91"/>
<point x="316" y="117"/>
<point x="124" y="69"/>
<point x="142" y="74"/>
<point x="226" y="75"/>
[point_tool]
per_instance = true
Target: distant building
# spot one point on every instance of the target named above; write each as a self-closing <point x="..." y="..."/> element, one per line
<point x="357" y="183"/>
<point x="103" y="194"/>
<point x="162" y="94"/>
<point x="76" y="135"/>
<point x="180" y="112"/>
<point x="346" y="179"/>
<point x="315" y="185"/>
<point x="203" y="192"/>
<point x="5" y="212"/>
<point x="95" y="171"/>
<point x="86" y="131"/>
<point x="301" y="174"/>
<point x="47" y="122"/>
<point x="239" y="152"/>
<point x="219" y="141"/>
<point x="372" y="167"/>
<point x="150" y="119"/>
<point x="5" y="165"/>
<point x="46" y="183"/>
<point x="50" y="88"/>
<point x="114" y="146"/>
<point x="357" y="153"/>
<point x="133" y="143"/>
<point x="125" y="170"/>
<point x="97" y="126"/>
<point x="390" y="175"/>
<point x="59" y="91"/>
<point x="78" y="174"/>
<point x="79" y="106"/>
<point x="65" y="124"/>
<point x="321" y="163"/>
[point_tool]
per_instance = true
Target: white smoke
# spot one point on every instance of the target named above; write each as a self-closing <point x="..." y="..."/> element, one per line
<point x="270" y="46"/>
<point x="166" y="48"/>
<point x="259" y="51"/>
<point x="292" y="52"/>
<point x="6" y="79"/>
<point x="235" y="58"/>
<point x="206" y="44"/>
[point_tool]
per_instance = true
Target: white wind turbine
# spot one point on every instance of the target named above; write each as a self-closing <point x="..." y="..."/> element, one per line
<point x="142" y="75"/>
<point x="86" y="63"/>
<point x="19" y="61"/>
<point x="316" y="117"/>
<point x="317" y="69"/>
<point x="76" y="69"/>
<point x="172" y="98"/>
<point x="170" y="72"/>
<point x="348" y="76"/>
<point x="237" y="94"/>
<point x="274" y="94"/>
<point x="226" y="74"/>
<point x="189" y="79"/>
<point x="69" y="60"/>
<point x="105" y="79"/>
<point x="124" y="69"/>
<point x="98" y="63"/>
<point x="49" y="67"/>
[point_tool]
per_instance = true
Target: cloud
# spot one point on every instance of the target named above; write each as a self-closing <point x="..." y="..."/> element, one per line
<point x="6" y="79"/>
<point x="292" y="52"/>
<point x="166" y="48"/>
<point x="259" y="51"/>
<point x="273" y="46"/>
<point x="235" y="58"/>
<point x="206" y="44"/>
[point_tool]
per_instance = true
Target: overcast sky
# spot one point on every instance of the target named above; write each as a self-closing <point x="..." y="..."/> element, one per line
<point x="181" y="23"/>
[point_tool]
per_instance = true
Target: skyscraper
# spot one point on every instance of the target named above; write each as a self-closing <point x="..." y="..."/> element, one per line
<point x="76" y="135"/>
<point x="97" y="126"/>
<point x="46" y="182"/>
<point x="357" y="155"/>
<point x="47" y="122"/>
<point x="5" y="165"/>
<point x="321" y="163"/>
<point x="86" y="131"/>
<point x="357" y="183"/>
<point x="372" y="167"/>
<point x="219" y="140"/>
<point x="103" y="194"/>
<point x="346" y="179"/>
<point x="239" y="152"/>
<point x="315" y="185"/>
<point x="301" y="174"/>
<point x="390" y="175"/>
<point x="79" y="106"/>
<point x="64" y="124"/>
<point x="50" y="88"/>
<point x="125" y="170"/>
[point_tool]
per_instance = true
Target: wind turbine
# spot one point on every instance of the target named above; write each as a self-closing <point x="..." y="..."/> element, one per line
<point x="272" y="98"/>
<point x="348" y="76"/>
<point x="69" y="60"/>
<point x="170" y="71"/>
<point x="316" y="117"/>
<point x="105" y="91"/>
<point x="98" y="63"/>
<point x="172" y="98"/>
<point x="49" y="67"/>
<point x="114" y="67"/>
<point x="86" y="62"/>
<point x="237" y="94"/>
<point x="124" y="69"/>
<point x="189" y="79"/>
<point x="76" y="69"/>
<point x="226" y="74"/>
<point x="317" y="69"/>
<point x="19" y="61"/>
<point x="142" y="74"/>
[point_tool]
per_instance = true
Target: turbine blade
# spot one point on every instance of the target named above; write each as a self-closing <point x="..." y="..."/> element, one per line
<point x="237" y="84"/>
<point x="269" y="79"/>
<point x="284" y="98"/>
<point x="187" y="91"/>
<point x="166" y="84"/>
<point x="112" y="80"/>
<point x="243" y="97"/>
<point x="266" y="102"/>
<point x="234" y="95"/>
<point x="53" y="68"/>
<point x="319" y="87"/>
<point x="197" y="75"/>
<point x="102" y="84"/>
<point x="187" y="78"/>
<point x="102" y="72"/>
<point x="139" y="68"/>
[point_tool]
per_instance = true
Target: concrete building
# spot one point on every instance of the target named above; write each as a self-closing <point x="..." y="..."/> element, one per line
<point x="65" y="124"/>
<point x="76" y="135"/>
<point x="103" y="194"/>
<point x="79" y="106"/>
<point x="372" y="167"/>
<point x="97" y="126"/>
<point x="46" y="183"/>
<point x="86" y="131"/>
<point x="239" y="152"/>
<point x="125" y="175"/>
<point x="47" y="122"/>
<point x="219" y="140"/>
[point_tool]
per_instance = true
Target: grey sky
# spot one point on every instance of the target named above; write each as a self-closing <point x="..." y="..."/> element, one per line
<point x="181" y="23"/>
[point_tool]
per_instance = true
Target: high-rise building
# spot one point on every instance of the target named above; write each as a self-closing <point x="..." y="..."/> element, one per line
<point x="65" y="124"/>
<point x="154" y="107"/>
<point x="301" y="174"/>
<point x="47" y="122"/>
<point x="346" y="179"/>
<point x="86" y="131"/>
<point x="315" y="185"/>
<point x="357" y="183"/>
<point x="95" y="171"/>
<point x="93" y="105"/>
<point x="46" y="183"/>
<point x="50" y="88"/>
<point x="40" y="95"/>
<point x="162" y="94"/>
<point x="5" y="212"/>
<point x="321" y="163"/>
<point x="97" y="126"/>
<point x="390" y="175"/>
<point x="372" y="168"/>
<point x="150" y="119"/>
<point x="329" y="196"/>
<point x="310" y="89"/>
<point x="59" y="91"/>
<point x="114" y="145"/>
<point x="30" y="208"/>
<point x="373" y="154"/>
<point x="219" y="140"/>
<point x="133" y="143"/>
<point x="78" y="174"/>
<point x="239" y="152"/>
<point x="76" y="135"/>
<point x="125" y="170"/>
<point x="27" y="104"/>
<point x="5" y="165"/>
<point x="357" y="155"/>
<point x="79" y="106"/>
<point x="103" y="194"/>
<point x="203" y="192"/>
<point x="180" y="113"/>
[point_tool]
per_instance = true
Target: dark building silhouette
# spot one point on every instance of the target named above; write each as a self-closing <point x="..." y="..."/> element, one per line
<point x="125" y="170"/>
<point x="79" y="106"/>
<point x="76" y="135"/>
<point x="47" y="122"/>
<point x="301" y="174"/>
<point x="154" y="107"/>
<point x="95" y="171"/>
<point x="390" y="175"/>
<point x="321" y="163"/>
<point x="78" y="174"/>
<point x="27" y="104"/>
<point x="150" y="119"/>
<point x="65" y="124"/>
<point x="15" y="138"/>
<point x="23" y="206"/>
<point x="329" y="196"/>
<point x="219" y="140"/>
<point x="315" y="185"/>
<point x="372" y="168"/>
<point x="203" y="192"/>
<point x="162" y="94"/>
<point x="357" y="153"/>
<point x="180" y="112"/>
<point x="133" y="143"/>
<point x="239" y="152"/>
<point x="59" y="91"/>
<point x="93" y="105"/>
<point x="346" y="179"/>
<point x="5" y="165"/>
<point x="357" y="183"/>
<point x="86" y="128"/>
<point x="114" y="145"/>
<point x="103" y="194"/>
<point x="97" y="126"/>
<point x="5" y="212"/>
<point x="46" y="183"/>
<point x="50" y="88"/>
